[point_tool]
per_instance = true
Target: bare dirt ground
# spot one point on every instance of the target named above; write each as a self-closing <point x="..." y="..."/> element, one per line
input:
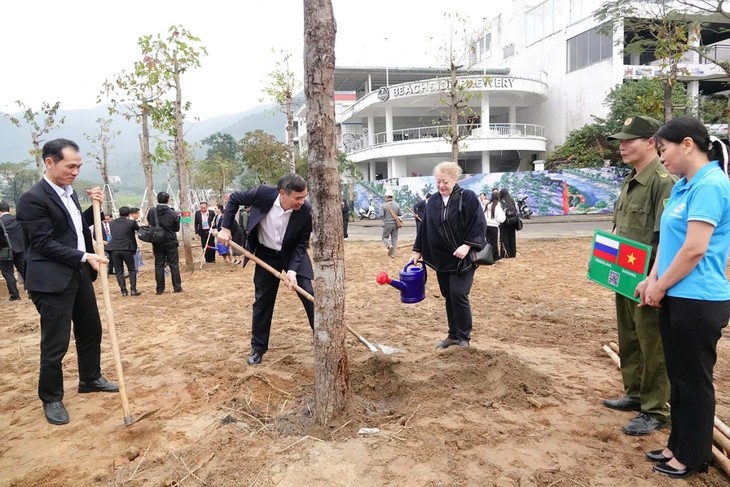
<point x="521" y="407"/>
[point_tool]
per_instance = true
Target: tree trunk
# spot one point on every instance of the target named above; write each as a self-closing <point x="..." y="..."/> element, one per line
<point x="182" y="173"/>
<point x="331" y="367"/>
<point x="146" y="160"/>
<point x="290" y="134"/>
<point x="38" y="153"/>
<point x="667" y="100"/>
<point x="454" y="115"/>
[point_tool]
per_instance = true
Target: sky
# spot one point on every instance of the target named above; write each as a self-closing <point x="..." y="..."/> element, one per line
<point x="63" y="50"/>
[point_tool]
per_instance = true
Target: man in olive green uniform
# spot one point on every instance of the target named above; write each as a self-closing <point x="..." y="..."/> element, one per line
<point x="638" y="211"/>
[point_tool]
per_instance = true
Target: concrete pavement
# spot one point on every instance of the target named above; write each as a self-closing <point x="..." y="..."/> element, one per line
<point x="535" y="227"/>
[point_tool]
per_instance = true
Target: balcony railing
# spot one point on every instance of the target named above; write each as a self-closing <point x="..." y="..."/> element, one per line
<point x="500" y="130"/>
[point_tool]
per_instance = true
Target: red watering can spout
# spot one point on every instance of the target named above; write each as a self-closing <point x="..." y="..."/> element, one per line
<point x="383" y="278"/>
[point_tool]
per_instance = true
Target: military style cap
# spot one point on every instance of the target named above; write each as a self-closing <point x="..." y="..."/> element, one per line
<point x="637" y="128"/>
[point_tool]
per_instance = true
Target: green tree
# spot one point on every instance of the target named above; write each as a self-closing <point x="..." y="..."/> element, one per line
<point x="283" y="85"/>
<point x="169" y="58"/>
<point x="265" y="156"/>
<point x="101" y="145"/>
<point x="589" y="145"/>
<point x="38" y="124"/>
<point x="652" y="26"/>
<point x="135" y="95"/>
<point x="455" y="102"/>
<point x="16" y="179"/>
<point x="221" y="165"/>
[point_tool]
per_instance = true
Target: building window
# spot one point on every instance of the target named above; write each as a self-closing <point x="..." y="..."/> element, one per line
<point x="588" y="48"/>
<point x="480" y="49"/>
<point x="542" y="20"/>
<point x="508" y="50"/>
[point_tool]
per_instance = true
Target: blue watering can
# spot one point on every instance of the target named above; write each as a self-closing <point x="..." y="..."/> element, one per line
<point x="412" y="284"/>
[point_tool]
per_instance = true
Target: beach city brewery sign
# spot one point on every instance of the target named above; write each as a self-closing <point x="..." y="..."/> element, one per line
<point x="427" y="87"/>
<point x="618" y="263"/>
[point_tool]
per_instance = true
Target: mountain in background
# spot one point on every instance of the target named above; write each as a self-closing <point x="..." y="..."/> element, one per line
<point x="124" y="157"/>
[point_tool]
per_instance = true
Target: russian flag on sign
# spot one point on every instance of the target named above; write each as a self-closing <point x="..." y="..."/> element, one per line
<point x="606" y="248"/>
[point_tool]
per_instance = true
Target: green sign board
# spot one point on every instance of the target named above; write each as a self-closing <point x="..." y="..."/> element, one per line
<point x="618" y="263"/>
<point x="185" y="217"/>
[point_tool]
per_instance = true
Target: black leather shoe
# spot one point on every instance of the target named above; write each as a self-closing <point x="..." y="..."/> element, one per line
<point x="98" y="385"/>
<point x="657" y="456"/>
<point x="14" y="298"/>
<point x="135" y="292"/>
<point x="623" y="404"/>
<point x="671" y="471"/>
<point x="124" y="292"/>
<point x="643" y="424"/>
<point x="177" y="290"/>
<point x="255" y="357"/>
<point x="447" y="343"/>
<point x="160" y="293"/>
<point x="55" y="412"/>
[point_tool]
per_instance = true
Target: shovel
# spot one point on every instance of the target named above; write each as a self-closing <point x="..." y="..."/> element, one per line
<point x="128" y="420"/>
<point x="281" y="275"/>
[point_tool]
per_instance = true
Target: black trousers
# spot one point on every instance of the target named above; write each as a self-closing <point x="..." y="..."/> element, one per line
<point x="509" y="240"/>
<point x="6" y="269"/>
<point x="126" y="257"/>
<point x="208" y="245"/>
<point x="690" y="330"/>
<point x="493" y="239"/>
<point x="167" y="253"/>
<point x="266" y="287"/>
<point x="455" y="288"/>
<point x="77" y="304"/>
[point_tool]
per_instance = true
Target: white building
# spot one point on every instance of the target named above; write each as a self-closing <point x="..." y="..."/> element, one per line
<point x="537" y="71"/>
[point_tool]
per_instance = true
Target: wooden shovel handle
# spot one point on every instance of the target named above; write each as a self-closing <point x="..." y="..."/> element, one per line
<point x="110" y="314"/>
<point x="281" y="275"/>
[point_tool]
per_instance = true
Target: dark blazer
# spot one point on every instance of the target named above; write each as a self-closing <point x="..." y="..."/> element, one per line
<point x="169" y="221"/>
<point x="199" y="221"/>
<point x="296" y="239"/>
<point x="123" y="234"/>
<point x="15" y="232"/>
<point x="52" y="255"/>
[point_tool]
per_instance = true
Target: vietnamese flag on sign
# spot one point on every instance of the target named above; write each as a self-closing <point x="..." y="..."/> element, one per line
<point x="631" y="258"/>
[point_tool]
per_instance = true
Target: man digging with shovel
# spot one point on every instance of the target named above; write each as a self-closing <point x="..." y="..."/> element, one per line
<point x="279" y="226"/>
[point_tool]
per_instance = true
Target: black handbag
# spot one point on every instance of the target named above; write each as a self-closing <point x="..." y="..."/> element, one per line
<point x="154" y="234"/>
<point x="6" y="253"/>
<point x="519" y="224"/>
<point x="483" y="257"/>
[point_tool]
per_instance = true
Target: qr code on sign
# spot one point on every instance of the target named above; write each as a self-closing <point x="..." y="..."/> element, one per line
<point x="613" y="278"/>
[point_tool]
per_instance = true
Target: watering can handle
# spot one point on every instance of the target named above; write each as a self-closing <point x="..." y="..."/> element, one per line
<point x="423" y="265"/>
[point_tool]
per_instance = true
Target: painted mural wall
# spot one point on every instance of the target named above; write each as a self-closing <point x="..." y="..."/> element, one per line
<point x="564" y="192"/>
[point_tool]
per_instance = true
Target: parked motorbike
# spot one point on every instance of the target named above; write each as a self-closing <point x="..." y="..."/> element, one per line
<point x="369" y="213"/>
<point x="524" y="209"/>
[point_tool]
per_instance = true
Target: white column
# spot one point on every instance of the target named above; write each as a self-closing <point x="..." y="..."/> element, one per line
<point x="486" y="162"/>
<point x="372" y="170"/>
<point x="693" y="87"/>
<point x="512" y="114"/>
<point x="389" y="124"/>
<point x="397" y="167"/>
<point x="371" y="130"/>
<point x="485" y="112"/>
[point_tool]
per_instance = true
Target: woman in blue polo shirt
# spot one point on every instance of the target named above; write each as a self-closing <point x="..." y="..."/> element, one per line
<point x="688" y="282"/>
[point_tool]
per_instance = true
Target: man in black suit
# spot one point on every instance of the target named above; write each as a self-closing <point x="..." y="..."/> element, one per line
<point x="279" y="226"/>
<point x="15" y="241"/>
<point x="60" y="268"/>
<point x="203" y="225"/>
<point x="166" y="252"/>
<point x="122" y="248"/>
